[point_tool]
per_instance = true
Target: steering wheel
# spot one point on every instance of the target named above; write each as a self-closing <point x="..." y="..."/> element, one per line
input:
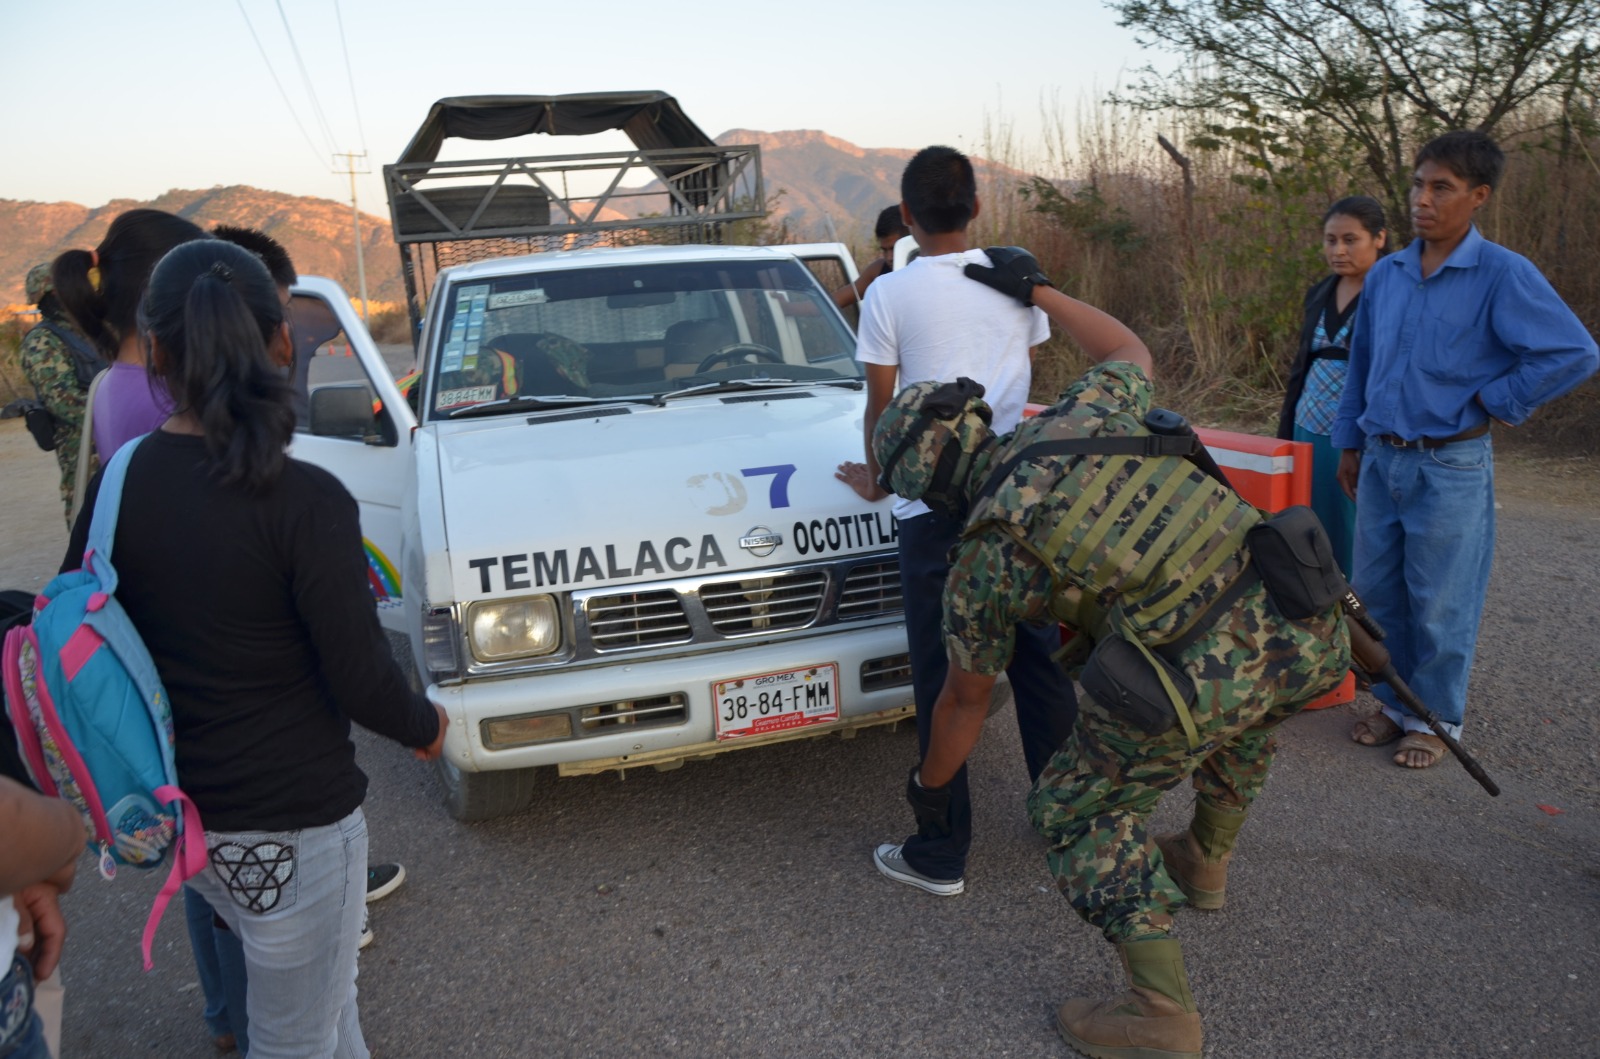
<point x="740" y="349"/>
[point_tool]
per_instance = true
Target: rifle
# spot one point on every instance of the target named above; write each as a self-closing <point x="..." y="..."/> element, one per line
<point x="1372" y="658"/>
<point x="1368" y="654"/>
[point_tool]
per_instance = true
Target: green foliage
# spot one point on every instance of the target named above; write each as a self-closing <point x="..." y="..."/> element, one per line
<point x="1084" y="211"/>
<point x="1377" y="77"/>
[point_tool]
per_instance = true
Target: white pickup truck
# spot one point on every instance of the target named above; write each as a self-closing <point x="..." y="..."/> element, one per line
<point x="604" y="513"/>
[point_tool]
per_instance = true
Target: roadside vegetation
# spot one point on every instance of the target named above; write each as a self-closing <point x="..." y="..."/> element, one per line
<point x="1190" y="205"/>
<point x="12" y="382"/>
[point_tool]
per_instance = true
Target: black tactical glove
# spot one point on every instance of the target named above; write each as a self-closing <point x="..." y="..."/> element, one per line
<point x="931" y="807"/>
<point x="1015" y="273"/>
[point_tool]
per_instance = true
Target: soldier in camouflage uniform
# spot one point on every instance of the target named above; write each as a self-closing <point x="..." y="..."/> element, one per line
<point x="1144" y="548"/>
<point x="50" y="368"/>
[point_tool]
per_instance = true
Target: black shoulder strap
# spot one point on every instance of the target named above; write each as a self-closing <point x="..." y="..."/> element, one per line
<point x="89" y="361"/>
<point x="1146" y="445"/>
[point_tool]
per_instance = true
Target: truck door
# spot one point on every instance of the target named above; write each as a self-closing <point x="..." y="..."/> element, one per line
<point x="353" y="421"/>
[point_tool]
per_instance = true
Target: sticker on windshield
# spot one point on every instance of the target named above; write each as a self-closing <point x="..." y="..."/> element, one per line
<point x="507" y="299"/>
<point x="466" y="395"/>
<point x="453" y="352"/>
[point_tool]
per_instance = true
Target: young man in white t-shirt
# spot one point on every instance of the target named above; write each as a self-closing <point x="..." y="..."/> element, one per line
<point x="929" y="322"/>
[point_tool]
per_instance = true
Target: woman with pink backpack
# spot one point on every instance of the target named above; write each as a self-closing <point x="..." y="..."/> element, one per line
<point x="243" y="571"/>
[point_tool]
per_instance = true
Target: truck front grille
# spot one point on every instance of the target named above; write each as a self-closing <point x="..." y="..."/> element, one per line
<point x="710" y="610"/>
<point x="871" y="591"/>
<point x="765" y="604"/>
<point x="636" y="619"/>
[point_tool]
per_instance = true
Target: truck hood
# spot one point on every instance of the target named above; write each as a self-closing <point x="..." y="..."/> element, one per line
<point x="627" y="494"/>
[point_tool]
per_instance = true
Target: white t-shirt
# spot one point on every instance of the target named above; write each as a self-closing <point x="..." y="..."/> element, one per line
<point x="9" y="922"/>
<point x="933" y="323"/>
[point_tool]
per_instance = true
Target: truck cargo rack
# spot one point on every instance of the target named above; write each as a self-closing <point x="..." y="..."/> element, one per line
<point x="451" y="213"/>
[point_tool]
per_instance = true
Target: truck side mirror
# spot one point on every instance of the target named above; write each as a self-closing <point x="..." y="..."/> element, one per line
<point x="345" y="411"/>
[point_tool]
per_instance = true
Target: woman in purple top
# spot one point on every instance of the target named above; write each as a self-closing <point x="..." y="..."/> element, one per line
<point x="101" y="288"/>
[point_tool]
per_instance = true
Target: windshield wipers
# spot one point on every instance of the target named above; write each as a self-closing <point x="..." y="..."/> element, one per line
<point x="736" y="385"/>
<point x="529" y="403"/>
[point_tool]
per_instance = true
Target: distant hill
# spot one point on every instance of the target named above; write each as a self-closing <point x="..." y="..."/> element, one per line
<point x="822" y="178"/>
<point x="316" y="232"/>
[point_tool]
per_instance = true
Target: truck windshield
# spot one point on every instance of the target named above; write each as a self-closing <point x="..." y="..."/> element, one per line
<point x="634" y="330"/>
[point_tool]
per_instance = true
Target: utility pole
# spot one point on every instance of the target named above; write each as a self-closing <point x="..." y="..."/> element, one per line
<point x="355" y="214"/>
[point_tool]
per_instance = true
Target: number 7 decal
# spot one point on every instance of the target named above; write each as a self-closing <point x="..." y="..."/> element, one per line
<point x="778" y="493"/>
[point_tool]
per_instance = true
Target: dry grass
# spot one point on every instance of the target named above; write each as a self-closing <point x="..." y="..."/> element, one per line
<point x="13" y="383"/>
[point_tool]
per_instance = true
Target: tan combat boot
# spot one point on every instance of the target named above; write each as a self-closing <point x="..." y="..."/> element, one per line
<point x="1197" y="859"/>
<point x="1154" y="1019"/>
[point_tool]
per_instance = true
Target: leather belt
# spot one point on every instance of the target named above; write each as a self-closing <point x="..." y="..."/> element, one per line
<point x="1433" y="443"/>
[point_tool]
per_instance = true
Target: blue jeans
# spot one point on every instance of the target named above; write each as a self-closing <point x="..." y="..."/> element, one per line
<point x="294" y="900"/>
<point x="1424" y="544"/>
<point x="219" y="962"/>
<point x="1047" y="707"/>
<point x="21" y="1032"/>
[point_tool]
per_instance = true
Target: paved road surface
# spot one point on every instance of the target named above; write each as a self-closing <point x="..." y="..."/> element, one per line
<point x="729" y="908"/>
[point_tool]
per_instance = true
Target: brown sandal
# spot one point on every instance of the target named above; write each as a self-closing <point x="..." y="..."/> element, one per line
<point x="1423" y="741"/>
<point x="1375" y="730"/>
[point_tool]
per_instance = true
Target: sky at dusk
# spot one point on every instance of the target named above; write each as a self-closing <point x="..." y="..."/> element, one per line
<point x="120" y="100"/>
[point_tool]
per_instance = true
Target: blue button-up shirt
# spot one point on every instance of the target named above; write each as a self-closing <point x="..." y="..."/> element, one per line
<point x="1485" y="325"/>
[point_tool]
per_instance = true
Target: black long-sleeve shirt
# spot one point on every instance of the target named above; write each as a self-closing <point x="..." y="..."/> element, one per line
<point x="256" y="610"/>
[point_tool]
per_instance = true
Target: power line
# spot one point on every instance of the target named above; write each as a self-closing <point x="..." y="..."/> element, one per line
<point x="292" y="113"/>
<point x="305" y="78"/>
<point x="350" y="74"/>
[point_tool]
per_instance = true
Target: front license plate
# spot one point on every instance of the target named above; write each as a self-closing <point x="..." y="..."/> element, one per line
<point x="776" y="702"/>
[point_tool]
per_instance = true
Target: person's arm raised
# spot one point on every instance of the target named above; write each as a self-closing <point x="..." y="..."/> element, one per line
<point x="1103" y="337"/>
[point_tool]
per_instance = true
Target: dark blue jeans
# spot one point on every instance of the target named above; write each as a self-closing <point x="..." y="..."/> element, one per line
<point x="21" y="1032"/>
<point x="219" y="962"/>
<point x="1046" y="704"/>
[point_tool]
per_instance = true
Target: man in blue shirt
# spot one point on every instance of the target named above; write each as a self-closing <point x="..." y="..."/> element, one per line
<point x="1451" y="332"/>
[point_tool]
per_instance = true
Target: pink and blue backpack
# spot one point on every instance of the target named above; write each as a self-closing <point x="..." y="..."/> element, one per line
<point x="92" y="720"/>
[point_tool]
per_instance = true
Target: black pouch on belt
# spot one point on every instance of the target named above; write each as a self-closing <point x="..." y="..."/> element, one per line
<point x="1125" y="681"/>
<point x="1292" y="553"/>
<point x="39" y="420"/>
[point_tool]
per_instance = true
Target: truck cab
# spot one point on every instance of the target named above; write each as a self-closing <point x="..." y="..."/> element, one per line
<point x="603" y="511"/>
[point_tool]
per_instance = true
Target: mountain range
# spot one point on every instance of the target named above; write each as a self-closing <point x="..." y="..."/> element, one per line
<point x="830" y="189"/>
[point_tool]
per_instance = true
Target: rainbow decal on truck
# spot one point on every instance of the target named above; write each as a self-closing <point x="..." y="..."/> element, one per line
<point x="382" y="577"/>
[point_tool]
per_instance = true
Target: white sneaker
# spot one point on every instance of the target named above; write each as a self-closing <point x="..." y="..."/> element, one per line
<point x="891" y="861"/>
<point x="366" y="929"/>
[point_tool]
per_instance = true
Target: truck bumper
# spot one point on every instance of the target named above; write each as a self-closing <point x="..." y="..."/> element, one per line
<point x="689" y="731"/>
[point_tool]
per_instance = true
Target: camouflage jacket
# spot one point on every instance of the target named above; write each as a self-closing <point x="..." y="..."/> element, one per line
<point x="1140" y="544"/>
<point x="50" y="368"/>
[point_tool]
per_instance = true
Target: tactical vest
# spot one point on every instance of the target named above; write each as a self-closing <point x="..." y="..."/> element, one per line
<point x="1135" y="537"/>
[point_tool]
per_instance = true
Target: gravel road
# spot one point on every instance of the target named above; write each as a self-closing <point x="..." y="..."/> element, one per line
<point x="729" y="908"/>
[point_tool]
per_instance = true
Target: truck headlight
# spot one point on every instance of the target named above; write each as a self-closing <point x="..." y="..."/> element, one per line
<point x="513" y="628"/>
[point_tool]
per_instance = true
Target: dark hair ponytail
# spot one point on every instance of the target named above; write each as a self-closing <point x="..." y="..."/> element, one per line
<point x="212" y="308"/>
<point x="81" y="297"/>
<point x="101" y="290"/>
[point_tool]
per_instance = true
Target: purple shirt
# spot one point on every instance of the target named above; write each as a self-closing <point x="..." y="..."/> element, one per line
<point x="128" y="404"/>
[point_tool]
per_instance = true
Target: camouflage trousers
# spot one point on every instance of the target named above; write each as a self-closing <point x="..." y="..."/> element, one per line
<point x="1252" y="671"/>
